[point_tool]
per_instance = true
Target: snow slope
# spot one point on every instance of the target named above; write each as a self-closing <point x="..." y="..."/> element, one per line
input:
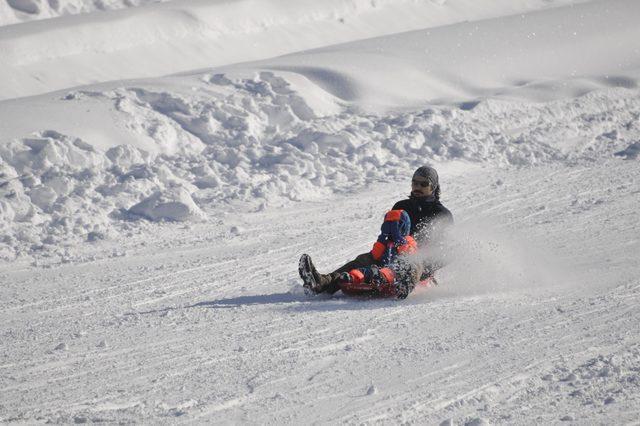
<point x="176" y="36"/>
<point x="203" y="324"/>
<point x="150" y="229"/>
<point x="538" y="56"/>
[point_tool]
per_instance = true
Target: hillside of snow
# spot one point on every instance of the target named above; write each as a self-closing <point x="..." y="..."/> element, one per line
<point x="164" y="164"/>
<point x="178" y="36"/>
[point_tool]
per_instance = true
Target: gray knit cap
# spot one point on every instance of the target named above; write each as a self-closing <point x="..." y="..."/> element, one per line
<point x="429" y="173"/>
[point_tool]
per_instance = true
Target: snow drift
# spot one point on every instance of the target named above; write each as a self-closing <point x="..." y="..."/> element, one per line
<point x="178" y="36"/>
<point x="255" y="148"/>
<point x="78" y="163"/>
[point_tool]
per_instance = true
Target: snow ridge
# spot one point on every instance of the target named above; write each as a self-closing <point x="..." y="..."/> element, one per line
<point x="258" y="141"/>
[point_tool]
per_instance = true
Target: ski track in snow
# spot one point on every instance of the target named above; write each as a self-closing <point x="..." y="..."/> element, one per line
<point x="215" y="330"/>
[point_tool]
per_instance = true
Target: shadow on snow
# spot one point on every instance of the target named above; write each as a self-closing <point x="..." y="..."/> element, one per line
<point x="298" y="302"/>
<point x="288" y="301"/>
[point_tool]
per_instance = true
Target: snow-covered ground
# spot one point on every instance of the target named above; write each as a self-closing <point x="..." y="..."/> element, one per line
<point x="150" y="228"/>
<point x="535" y="322"/>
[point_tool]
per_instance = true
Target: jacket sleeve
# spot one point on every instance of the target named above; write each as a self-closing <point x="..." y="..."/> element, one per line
<point x="446" y="216"/>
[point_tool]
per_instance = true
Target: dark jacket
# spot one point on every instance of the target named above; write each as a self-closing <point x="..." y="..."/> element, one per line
<point x="428" y="216"/>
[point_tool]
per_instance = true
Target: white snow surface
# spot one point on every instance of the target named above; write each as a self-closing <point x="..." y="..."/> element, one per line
<point x="16" y="11"/>
<point x="178" y="36"/>
<point x="150" y="228"/>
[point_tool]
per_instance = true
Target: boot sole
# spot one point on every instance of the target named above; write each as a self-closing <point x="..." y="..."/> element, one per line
<point x="304" y="270"/>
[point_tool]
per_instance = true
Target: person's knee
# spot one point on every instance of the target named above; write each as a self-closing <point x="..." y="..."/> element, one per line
<point x="365" y="258"/>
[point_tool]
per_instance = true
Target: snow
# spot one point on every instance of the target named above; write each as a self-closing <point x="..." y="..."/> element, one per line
<point x="202" y="318"/>
<point x="151" y="226"/>
<point x="16" y="11"/>
<point x="180" y="36"/>
<point x="261" y="144"/>
<point x="176" y="205"/>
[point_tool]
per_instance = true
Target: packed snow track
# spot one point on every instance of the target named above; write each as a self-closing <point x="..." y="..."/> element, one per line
<point x="201" y="323"/>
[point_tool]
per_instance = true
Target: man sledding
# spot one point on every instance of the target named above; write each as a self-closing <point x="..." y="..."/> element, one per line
<point x="393" y="267"/>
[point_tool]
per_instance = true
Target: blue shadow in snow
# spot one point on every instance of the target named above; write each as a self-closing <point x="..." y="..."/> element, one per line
<point x="260" y="299"/>
<point x="299" y="303"/>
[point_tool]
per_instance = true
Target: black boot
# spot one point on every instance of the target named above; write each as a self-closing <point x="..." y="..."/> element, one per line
<point x="313" y="281"/>
<point x="333" y="281"/>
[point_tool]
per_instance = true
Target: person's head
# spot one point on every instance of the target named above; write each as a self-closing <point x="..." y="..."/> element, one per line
<point x="424" y="182"/>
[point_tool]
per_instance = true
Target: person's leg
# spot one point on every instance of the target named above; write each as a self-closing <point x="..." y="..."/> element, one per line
<point x="361" y="261"/>
<point x="396" y="280"/>
<point x="331" y="281"/>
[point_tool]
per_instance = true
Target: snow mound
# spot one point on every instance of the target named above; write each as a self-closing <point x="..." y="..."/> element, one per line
<point x="266" y="140"/>
<point x="174" y="204"/>
<point x="16" y="11"/>
<point x="56" y="188"/>
<point x="43" y="172"/>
